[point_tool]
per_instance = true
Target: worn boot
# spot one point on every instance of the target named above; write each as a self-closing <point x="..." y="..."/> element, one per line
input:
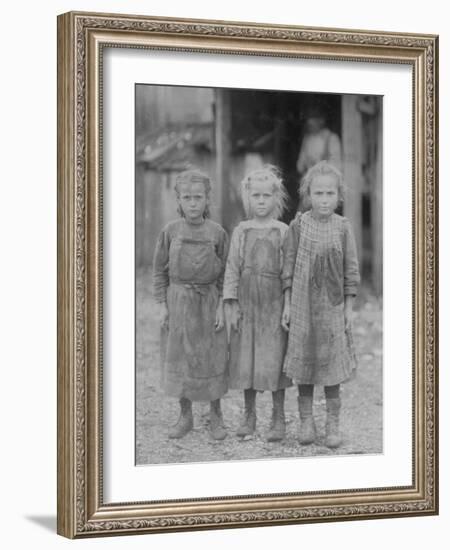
<point x="216" y="426"/>
<point x="185" y="422"/>
<point x="248" y="424"/>
<point x="307" y="433"/>
<point x="278" y="426"/>
<point x="332" y="436"/>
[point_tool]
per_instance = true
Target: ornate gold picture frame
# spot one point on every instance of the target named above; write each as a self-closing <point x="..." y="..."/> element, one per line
<point x="83" y="511"/>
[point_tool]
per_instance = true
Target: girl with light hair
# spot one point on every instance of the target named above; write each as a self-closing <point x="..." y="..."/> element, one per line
<point x="320" y="282"/>
<point x="253" y="299"/>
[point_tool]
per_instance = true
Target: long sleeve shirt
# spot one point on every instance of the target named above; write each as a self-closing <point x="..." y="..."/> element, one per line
<point x="236" y="254"/>
<point x="351" y="276"/>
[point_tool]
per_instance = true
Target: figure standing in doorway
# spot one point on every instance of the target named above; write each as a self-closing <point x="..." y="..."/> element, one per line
<point x="319" y="143"/>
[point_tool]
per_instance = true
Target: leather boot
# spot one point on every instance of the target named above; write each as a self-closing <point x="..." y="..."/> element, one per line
<point x="185" y="422"/>
<point x="216" y="426"/>
<point x="307" y="432"/>
<point x="278" y="426"/>
<point x="248" y="424"/>
<point x="332" y="436"/>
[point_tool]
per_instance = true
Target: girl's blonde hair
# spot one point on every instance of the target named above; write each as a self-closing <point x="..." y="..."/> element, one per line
<point x="193" y="176"/>
<point x="321" y="168"/>
<point x="267" y="173"/>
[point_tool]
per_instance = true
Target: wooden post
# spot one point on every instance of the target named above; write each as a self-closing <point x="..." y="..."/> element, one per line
<point x="140" y="214"/>
<point x="223" y="155"/>
<point x="377" y="208"/>
<point x="352" y="155"/>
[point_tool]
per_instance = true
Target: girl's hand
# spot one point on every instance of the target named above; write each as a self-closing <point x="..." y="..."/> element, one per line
<point x="348" y="313"/>
<point x="348" y="317"/>
<point x="163" y="315"/>
<point x="286" y="316"/>
<point x="233" y="314"/>
<point x="220" y="318"/>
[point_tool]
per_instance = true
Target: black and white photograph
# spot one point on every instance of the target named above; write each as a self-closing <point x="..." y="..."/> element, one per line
<point x="247" y="274"/>
<point x="258" y="274"/>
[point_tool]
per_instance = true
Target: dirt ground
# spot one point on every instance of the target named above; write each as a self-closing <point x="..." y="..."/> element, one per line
<point x="362" y="401"/>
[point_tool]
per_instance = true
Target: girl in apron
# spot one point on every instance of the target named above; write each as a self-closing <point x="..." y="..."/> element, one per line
<point x="188" y="270"/>
<point x="253" y="299"/>
<point x="321" y="275"/>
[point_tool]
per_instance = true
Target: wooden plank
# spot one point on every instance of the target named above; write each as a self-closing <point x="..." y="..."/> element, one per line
<point x="223" y="155"/>
<point x="352" y="165"/>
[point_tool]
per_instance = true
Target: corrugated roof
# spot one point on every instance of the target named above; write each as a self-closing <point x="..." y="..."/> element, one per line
<point x="174" y="148"/>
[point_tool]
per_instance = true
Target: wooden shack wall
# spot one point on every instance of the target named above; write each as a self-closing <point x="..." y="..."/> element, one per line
<point x="155" y="200"/>
<point x="362" y="168"/>
<point x="156" y="205"/>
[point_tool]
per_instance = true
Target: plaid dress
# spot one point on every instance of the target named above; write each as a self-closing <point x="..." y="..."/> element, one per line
<point x="320" y="267"/>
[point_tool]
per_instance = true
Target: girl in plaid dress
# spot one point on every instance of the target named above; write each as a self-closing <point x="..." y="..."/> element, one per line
<point x="188" y="268"/>
<point x="320" y="280"/>
<point x="253" y="299"/>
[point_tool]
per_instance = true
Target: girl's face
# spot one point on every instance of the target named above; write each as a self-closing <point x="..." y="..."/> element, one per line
<point x="262" y="200"/>
<point x="324" y="195"/>
<point x="193" y="200"/>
